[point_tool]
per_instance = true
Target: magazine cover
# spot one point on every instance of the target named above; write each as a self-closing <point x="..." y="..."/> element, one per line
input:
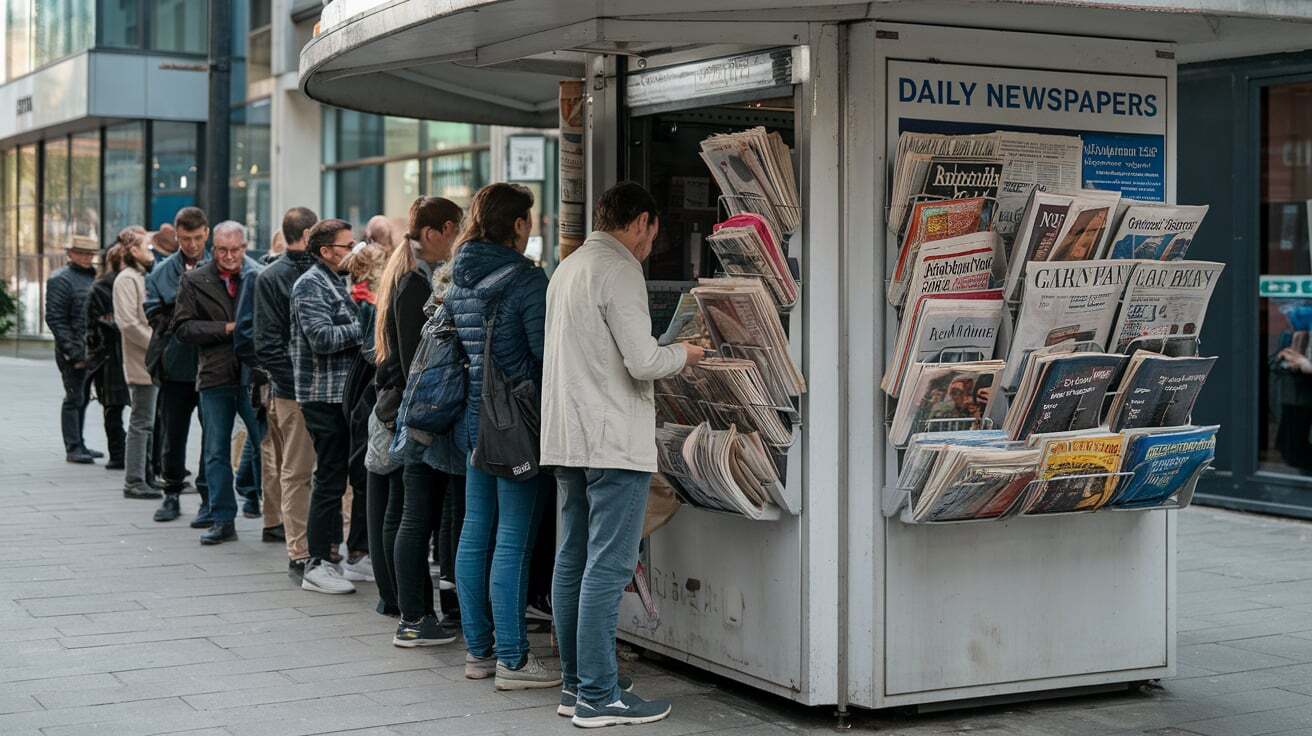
<point x="1067" y="395"/>
<point x="931" y="221"/>
<point x="1096" y="454"/>
<point x="1156" y="232"/>
<point x="1087" y="226"/>
<point x="1044" y="214"/>
<point x="1162" y="461"/>
<point x="1158" y="391"/>
<point x="944" y="396"/>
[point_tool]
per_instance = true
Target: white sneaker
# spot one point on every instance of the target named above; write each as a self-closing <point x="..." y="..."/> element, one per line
<point x="324" y="577"/>
<point x="360" y="571"/>
<point x="444" y="584"/>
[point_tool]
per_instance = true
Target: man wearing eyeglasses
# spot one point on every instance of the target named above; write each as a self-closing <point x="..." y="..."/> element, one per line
<point x="326" y="339"/>
<point x="205" y="317"/>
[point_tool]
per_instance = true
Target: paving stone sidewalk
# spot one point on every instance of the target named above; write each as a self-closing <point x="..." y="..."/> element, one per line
<point x="111" y="624"/>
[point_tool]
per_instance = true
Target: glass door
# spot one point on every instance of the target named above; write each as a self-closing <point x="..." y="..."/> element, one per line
<point x="1284" y="351"/>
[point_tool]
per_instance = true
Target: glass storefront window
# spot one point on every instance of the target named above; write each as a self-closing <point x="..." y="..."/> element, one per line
<point x="1285" y="429"/>
<point x="400" y="136"/>
<point x="18" y="39"/>
<point x="359" y="194"/>
<point x="84" y="183"/>
<point x="179" y="25"/>
<point x="120" y="24"/>
<point x="359" y="135"/>
<point x="9" y="219"/>
<point x="125" y="178"/>
<point x="173" y="169"/>
<point x="54" y="199"/>
<point x="457" y="177"/>
<point x="400" y="188"/>
<point x="30" y="279"/>
<point x="61" y="28"/>
<point x="248" y="185"/>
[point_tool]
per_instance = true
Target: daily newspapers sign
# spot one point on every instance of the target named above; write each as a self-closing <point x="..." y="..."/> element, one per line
<point x="1121" y="120"/>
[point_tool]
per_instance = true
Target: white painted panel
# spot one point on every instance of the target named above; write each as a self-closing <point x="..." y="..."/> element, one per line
<point x="54" y="95"/>
<point x="979" y="604"/>
<point x="118" y="85"/>
<point x="729" y="592"/>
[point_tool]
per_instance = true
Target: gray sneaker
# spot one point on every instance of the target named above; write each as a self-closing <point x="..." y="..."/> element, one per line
<point x="628" y="710"/>
<point x="531" y="676"/>
<point x="569" y="699"/>
<point x="480" y="668"/>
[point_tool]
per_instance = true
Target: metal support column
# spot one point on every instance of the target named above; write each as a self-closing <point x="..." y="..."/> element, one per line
<point x="215" y="193"/>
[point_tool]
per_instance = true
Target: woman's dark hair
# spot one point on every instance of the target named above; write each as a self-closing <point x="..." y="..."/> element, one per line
<point x="621" y="205"/>
<point x="324" y="233"/>
<point x="434" y="212"/>
<point x="493" y="212"/>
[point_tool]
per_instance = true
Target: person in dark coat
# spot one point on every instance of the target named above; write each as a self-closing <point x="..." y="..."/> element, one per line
<point x="492" y="278"/>
<point x="206" y="317"/>
<point x="66" y="297"/>
<point x="105" y="354"/>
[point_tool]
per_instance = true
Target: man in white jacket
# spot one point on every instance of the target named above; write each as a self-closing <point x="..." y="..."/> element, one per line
<point x="599" y="428"/>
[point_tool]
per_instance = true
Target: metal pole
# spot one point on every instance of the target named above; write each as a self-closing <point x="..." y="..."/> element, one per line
<point x="214" y="196"/>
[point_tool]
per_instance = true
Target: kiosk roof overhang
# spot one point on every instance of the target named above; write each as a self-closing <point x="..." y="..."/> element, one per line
<point x="499" y="61"/>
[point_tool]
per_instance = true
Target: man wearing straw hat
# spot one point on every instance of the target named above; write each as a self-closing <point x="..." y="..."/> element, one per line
<point x="66" y="300"/>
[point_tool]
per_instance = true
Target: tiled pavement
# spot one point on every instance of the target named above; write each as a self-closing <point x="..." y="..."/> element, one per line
<point x="111" y="624"/>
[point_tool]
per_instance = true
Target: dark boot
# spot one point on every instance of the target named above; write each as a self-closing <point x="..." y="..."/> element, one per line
<point x="204" y="519"/>
<point x="170" y="509"/>
<point x="222" y="531"/>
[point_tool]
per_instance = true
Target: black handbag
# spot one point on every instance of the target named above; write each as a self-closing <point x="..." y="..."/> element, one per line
<point x="508" y="420"/>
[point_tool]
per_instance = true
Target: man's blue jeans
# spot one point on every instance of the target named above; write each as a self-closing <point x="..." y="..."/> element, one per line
<point x="600" y="528"/>
<point x="220" y="407"/>
<point x="501" y="520"/>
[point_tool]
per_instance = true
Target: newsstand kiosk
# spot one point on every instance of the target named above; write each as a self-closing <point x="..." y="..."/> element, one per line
<point x="838" y="600"/>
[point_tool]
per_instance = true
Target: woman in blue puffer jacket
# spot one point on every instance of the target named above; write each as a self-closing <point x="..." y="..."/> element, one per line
<point x="489" y="272"/>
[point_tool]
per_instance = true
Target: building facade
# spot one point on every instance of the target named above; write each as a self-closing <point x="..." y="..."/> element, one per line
<point x="103" y="110"/>
<point x="1246" y="148"/>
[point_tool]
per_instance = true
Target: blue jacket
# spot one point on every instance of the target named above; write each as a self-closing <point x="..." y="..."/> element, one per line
<point x="179" y="360"/>
<point x="521" y="320"/>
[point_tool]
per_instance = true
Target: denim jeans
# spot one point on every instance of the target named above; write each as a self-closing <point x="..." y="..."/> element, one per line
<point x="501" y="516"/>
<point x="141" y="428"/>
<point x="601" y="526"/>
<point x="220" y="407"/>
<point x="73" y="407"/>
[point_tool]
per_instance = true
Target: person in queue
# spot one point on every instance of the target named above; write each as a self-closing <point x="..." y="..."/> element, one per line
<point x="287" y="452"/>
<point x="378" y="231"/>
<point x="173" y="365"/>
<point x="326" y="337"/>
<point x="601" y="361"/>
<point x="65" y="315"/>
<point x="105" y="349"/>
<point x="410" y="507"/>
<point x="134" y="331"/>
<point x="164" y="241"/>
<point x="491" y="278"/>
<point x="206" y="317"/>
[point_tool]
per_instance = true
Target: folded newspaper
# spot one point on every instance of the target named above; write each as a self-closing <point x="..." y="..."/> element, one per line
<point x="1061" y="392"/>
<point x="1155" y="232"/>
<point x="723" y="470"/>
<point x="944" y="397"/>
<point x="1157" y="391"/>
<point x="1065" y="301"/>
<point x="754" y="170"/>
<point x="1163" y="299"/>
<point x="742" y="322"/>
<point x="963" y="263"/>
<point x="975" y="482"/>
<point x="945" y="328"/>
<point x="931" y="221"/>
<point x="747" y="246"/>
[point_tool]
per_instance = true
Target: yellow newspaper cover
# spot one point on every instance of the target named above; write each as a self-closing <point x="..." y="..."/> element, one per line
<point x="1092" y="455"/>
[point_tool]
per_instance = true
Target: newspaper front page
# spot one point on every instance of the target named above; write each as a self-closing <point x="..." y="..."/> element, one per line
<point x="1065" y="300"/>
<point x="1046" y="162"/>
<point x="1165" y="298"/>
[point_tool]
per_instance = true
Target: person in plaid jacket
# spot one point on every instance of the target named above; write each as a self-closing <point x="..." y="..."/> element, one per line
<point x="325" y="341"/>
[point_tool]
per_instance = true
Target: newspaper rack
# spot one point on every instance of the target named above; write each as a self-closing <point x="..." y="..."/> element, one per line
<point x="897" y="501"/>
<point x="946" y="424"/>
<point x="1188" y="341"/>
<point x="783" y="308"/>
<point x="1081" y="346"/>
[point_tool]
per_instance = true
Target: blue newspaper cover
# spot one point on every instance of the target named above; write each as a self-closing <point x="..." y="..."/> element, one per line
<point x="1163" y="461"/>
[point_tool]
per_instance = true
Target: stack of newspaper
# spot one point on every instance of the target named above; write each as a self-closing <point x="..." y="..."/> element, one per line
<point x="742" y="321"/>
<point x="754" y="170"/>
<point x="1077" y="472"/>
<point x="1163" y="460"/>
<point x="747" y="246"/>
<point x="723" y="470"/>
<point x="1061" y="392"/>
<point x="1157" y="391"/>
<point x="949" y="327"/>
<point x="931" y="221"/>
<point x="943" y="397"/>
<point x="724" y="392"/>
<point x="960" y="476"/>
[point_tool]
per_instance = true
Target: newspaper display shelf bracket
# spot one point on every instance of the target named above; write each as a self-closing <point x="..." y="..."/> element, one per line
<point x="896" y="501"/>
<point x="946" y="424"/>
<point x="724" y="210"/>
<point x="1190" y="341"/>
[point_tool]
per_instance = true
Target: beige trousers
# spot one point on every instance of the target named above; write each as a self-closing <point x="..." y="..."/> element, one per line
<point x="287" y="449"/>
